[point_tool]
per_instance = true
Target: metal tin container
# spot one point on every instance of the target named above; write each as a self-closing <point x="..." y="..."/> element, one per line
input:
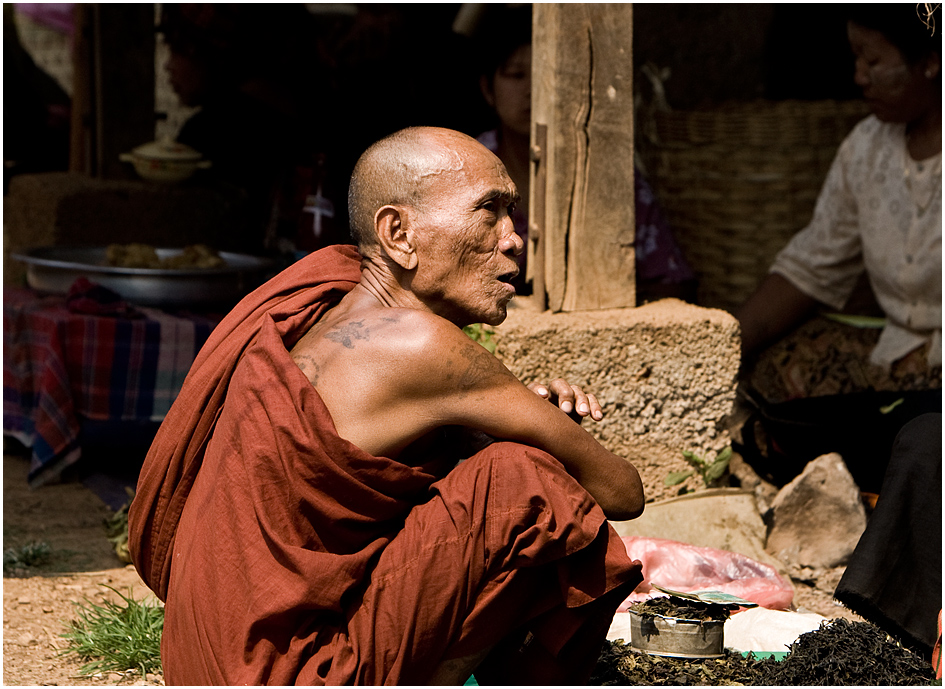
<point x="677" y="638"/>
<point x="52" y="270"/>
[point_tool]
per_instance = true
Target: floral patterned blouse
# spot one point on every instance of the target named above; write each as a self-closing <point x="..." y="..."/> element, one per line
<point x="879" y="211"/>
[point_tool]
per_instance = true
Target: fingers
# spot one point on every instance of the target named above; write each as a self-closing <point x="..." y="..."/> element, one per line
<point x="565" y="394"/>
<point x="572" y="398"/>
<point x="596" y="412"/>
<point x="539" y="389"/>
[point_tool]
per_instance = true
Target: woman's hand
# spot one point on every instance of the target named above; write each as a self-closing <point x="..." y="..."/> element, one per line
<point x="571" y="399"/>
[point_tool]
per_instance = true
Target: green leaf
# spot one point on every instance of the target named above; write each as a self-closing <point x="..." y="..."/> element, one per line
<point x="857" y="321"/>
<point x="889" y="407"/>
<point x="677" y="477"/>
<point x="117" y="636"/>
<point x="482" y="334"/>
<point x="725" y="454"/>
<point x="715" y="470"/>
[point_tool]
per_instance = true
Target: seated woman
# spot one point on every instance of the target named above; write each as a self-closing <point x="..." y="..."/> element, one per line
<point x="879" y="213"/>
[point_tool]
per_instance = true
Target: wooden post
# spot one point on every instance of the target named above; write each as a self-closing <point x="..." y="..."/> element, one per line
<point x="582" y="89"/>
<point x="124" y="83"/>
<point x="82" y="126"/>
<point x="113" y="86"/>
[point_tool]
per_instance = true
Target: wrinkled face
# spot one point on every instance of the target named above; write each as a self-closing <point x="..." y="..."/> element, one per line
<point x="512" y="91"/>
<point x="894" y="90"/>
<point x="466" y="242"/>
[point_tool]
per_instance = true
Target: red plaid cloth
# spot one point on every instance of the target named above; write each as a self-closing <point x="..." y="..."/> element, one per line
<point x="60" y="367"/>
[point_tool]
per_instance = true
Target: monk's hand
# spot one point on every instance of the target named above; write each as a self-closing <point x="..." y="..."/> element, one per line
<point x="571" y="399"/>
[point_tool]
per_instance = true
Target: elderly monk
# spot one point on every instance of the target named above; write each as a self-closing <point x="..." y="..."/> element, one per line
<point x="304" y="512"/>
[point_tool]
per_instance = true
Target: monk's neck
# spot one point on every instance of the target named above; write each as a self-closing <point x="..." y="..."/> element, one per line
<point x="379" y="283"/>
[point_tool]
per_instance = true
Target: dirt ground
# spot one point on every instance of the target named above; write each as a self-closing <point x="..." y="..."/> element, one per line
<point x="39" y="604"/>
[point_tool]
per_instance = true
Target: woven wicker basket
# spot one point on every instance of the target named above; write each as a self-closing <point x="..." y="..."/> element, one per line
<point x="737" y="182"/>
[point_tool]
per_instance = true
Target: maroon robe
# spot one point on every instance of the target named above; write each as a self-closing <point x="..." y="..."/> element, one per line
<point x="285" y="554"/>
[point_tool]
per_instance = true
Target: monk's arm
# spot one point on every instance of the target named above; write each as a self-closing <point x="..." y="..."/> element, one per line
<point x="472" y="388"/>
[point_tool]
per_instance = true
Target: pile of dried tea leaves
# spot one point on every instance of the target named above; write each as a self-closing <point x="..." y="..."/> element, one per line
<point x="840" y="653"/>
<point x="671" y="606"/>
<point x="621" y="665"/>
<point x="844" y="653"/>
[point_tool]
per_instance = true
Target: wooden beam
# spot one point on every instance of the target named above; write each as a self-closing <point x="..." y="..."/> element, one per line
<point x="124" y="82"/>
<point x="582" y="89"/>
<point x="81" y="129"/>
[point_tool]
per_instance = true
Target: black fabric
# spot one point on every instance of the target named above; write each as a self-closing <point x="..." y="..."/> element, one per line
<point x="861" y="427"/>
<point x="894" y="578"/>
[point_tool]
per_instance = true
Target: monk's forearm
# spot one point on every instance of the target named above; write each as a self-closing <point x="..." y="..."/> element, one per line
<point x="614" y="483"/>
<point x="611" y="480"/>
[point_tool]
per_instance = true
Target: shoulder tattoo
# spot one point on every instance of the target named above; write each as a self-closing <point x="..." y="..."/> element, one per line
<point x="349" y="332"/>
<point x="473" y="367"/>
<point x="308" y="366"/>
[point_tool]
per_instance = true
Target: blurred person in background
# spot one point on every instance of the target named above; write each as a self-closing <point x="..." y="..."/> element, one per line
<point x="878" y="217"/>
<point x="255" y="74"/>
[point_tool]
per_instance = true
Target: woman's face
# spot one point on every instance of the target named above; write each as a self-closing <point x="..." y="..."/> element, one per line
<point x="894" y="90"/>
<point x="512" y="91"/>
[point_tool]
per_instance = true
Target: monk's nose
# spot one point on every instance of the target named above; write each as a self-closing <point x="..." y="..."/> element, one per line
<point x="512" y="243"/>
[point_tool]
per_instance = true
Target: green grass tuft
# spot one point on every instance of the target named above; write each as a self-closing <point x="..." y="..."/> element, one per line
<point x="117" y="636"/>
<point x="32" y="554"/>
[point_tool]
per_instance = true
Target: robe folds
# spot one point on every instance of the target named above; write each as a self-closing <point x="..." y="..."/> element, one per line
<point x="287" y="555"/>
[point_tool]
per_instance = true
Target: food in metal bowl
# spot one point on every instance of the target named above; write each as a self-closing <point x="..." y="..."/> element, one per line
<point x="146" y="256"/>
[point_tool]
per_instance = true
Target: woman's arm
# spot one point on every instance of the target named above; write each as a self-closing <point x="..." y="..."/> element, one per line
<point x="774" y="308"/>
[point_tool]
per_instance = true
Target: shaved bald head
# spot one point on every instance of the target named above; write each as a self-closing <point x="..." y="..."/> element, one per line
<point x="396" y="171"/>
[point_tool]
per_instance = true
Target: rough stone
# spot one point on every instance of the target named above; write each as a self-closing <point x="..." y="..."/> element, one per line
<point x="817" y="519"/>
<point x="664" y="374"/>
<point x="749" y="479"/>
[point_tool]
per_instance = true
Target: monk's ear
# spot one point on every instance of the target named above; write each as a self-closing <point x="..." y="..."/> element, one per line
<point x="395" y="237"/>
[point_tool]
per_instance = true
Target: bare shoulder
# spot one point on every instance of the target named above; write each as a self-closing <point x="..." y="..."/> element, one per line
<point x="409" y="372"/>
<point x="445" y="358"/>
<point x="411" y="350"/>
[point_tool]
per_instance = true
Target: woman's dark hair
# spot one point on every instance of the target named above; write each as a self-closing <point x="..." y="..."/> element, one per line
<point x="239" y="40"/>
<point x="503" y="30"/>
<point x="914" y="28"/>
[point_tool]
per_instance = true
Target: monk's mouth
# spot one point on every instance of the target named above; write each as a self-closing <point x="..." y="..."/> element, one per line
<point x="507" y="277"/>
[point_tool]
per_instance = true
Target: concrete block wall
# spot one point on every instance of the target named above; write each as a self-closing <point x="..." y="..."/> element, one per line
<point x="664" y="373"/>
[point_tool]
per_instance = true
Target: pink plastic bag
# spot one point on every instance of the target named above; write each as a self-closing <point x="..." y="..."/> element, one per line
<point x="687" y="568"/>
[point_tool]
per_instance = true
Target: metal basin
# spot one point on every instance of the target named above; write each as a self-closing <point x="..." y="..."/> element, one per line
<point x="52" y="270"/>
